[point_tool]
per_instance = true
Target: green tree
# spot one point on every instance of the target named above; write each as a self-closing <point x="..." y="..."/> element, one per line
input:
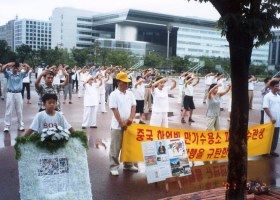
<point x="6" y="54"/>
<point x="179" y="64"/>
<point x="122" y="58"/>
<point x="81" y="56"/>
<point x="153" y="59"/>
<point x="24" y="52"/>
<point x="245" y="23"/>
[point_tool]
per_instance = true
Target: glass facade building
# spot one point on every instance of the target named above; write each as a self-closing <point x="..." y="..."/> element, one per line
<point x="34" y="33"/>
<point x="274" y="50"/>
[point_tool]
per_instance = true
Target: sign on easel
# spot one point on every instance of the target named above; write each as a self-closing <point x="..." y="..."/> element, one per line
<point x="165" y="159"/>
<point x="62" y="175"/>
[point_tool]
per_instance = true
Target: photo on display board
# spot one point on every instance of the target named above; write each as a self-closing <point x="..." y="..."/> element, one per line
<point x="177" y="148"/>
<point x="161" y="147"/>
<point x="151" y="160"/>
<point x="175" y="166"/>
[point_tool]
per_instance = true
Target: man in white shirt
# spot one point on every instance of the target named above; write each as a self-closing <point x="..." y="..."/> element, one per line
<point x="251" y="84"/>
<point x="271" y="106"/>
<point x="123" y="105"/>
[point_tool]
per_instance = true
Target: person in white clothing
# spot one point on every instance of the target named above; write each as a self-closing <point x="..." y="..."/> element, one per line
<point x="251" y="86"/>
<point x="109" y="84"/>
<point x="208" y="79"/>
<point x="222" y="85"/>
<point x="139" y="93"/>
<point x="26" y="84"/>
<point x="83" y="76"/>
<point x="123" y="105"/>
<point x="102" y="91"/>
<point x="3" y="85"/>
<point x="48" y="118"/>
<point x="91" y="101"/>
<point x="160" y="106"/>
<point x="271" y="106"/>
<point x="14" y="76"/>
<point x="190" y="83"/>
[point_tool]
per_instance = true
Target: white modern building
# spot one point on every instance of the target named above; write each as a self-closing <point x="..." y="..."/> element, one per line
<point x="140" y="32"/>
<point x="207" y="41"/>
<point x="34" y="33"/>
<point x="7" y="33"/>
<point x="72" y="28"/>
<point x="274" y="50"/>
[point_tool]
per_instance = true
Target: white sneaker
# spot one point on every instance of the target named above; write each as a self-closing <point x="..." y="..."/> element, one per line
<point x="6" y="129"/>
<point x="114" y="172"/>
<point x="131" y="168"/>
<point x="21" y="128"/>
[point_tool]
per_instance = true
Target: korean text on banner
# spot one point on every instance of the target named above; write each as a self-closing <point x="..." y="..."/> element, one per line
<point x="201" y="145"/>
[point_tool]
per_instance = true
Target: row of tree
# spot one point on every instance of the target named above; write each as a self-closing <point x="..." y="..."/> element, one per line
<point x="103" y="56"/>
<point x="80" y="57"/>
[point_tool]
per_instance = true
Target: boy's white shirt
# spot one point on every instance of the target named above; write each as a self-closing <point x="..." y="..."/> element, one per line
<point x="42" y="120"/>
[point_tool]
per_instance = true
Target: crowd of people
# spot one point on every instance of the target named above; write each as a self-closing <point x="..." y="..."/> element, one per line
<point x="127" y="92"/>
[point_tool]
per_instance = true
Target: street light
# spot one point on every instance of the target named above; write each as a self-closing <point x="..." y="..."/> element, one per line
<point x="169" y="28"/>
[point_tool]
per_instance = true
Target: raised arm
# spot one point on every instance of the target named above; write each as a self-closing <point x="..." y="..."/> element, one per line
<point x="38" y="80"/>
<point x="66" y="81"/>
<point x="226" y="91"/>
<point x="8" y="65"/>
<point x="197" y="81"/>
<point x="173" y="84"/>
<point x="141" y="80"/>
<point x="209" y="96"/>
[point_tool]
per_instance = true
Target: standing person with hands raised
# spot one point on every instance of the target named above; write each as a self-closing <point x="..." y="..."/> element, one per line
<point x="14" y="76"/>
<point x="49" y="87"/>
<point x="160" y="106"/>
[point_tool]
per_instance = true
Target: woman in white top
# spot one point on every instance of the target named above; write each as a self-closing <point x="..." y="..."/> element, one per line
<point x="102" y="90"/>
<point x="26" y="84"/>
<point x="139" y="94"/>
<point x="213" y="107"/>
<point x="91" y="102"/>
<point x="160" y="106"/>
<point x="188" y="98"/>
<point x="83" y="76"/>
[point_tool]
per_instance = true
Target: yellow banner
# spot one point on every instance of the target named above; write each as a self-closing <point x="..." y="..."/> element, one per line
<point x="201" y="145"/>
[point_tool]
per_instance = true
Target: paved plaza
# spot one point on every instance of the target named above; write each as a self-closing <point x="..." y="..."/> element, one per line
<point x="133" y="185"/>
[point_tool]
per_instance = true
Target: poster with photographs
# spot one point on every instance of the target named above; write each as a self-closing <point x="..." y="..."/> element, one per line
<point x="164" y="159"/>
<point x="63" y="174"/>
<point x="53" y="169"/>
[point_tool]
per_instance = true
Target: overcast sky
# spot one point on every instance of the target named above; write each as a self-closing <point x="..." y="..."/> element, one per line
<point x="42" y="9"/>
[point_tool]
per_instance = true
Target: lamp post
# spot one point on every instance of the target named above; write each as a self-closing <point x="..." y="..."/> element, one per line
<point x="169" y="28"/>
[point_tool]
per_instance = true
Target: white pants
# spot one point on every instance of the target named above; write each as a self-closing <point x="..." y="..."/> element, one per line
<point x="102" y="103"/>
<point x="180" y="87"/>
<point x="81" y="89"/>
<point x="159" y="119"/>
<point x="90" y="115"/>
<point x="13" y="100"/>
<point x="4" y="87"/>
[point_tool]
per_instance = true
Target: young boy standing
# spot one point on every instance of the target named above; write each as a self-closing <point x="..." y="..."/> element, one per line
<point x="49" y="118"/>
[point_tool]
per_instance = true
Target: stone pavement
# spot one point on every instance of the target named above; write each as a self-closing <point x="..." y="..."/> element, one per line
<point x="133" y="185"/>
